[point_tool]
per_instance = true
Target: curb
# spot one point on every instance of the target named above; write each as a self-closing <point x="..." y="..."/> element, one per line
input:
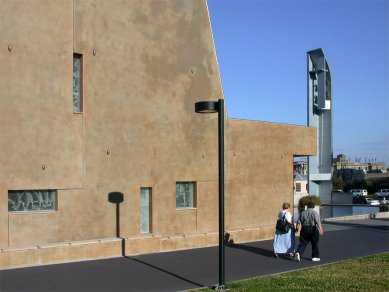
<point x="355" y="217"/>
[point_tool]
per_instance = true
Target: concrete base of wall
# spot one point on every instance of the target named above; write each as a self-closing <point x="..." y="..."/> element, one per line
<point x="115" y="247"/>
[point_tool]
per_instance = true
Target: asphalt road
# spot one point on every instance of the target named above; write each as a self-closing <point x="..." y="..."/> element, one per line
<point x="191" y="269"/>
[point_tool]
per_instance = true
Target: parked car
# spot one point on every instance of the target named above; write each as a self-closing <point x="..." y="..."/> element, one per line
<point x="382" y="193"/>
<point x="383" y="200"/>
<point x="358" y="192"/>
<point x="337" y="191"/>
<point x="373" y="202"/>
<point x="359" y="200"/>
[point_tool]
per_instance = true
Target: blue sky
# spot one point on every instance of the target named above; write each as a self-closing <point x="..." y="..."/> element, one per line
<point x="261" y="47"/>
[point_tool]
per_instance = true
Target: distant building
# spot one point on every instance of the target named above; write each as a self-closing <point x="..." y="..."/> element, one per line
<point x="375" y="173"/>
<point x="341" y="162"/>
<point x="301" y="167"/>
<point x="300" y="185"/>
<point x="377" y="180"/>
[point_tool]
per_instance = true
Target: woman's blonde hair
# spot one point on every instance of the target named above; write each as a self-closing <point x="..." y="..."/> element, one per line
<point x="285" y="206"/>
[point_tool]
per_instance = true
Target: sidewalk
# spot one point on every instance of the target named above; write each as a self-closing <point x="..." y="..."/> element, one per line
<point x="192" y="269"/>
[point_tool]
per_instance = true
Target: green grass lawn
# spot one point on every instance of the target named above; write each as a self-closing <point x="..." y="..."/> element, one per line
<point x="362" y="274"/>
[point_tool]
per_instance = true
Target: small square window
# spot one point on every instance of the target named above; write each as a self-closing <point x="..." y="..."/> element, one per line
<point x="186" y="195"/>
<point x="77" y="83"/>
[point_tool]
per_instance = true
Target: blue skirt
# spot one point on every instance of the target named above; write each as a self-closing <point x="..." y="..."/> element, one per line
<point x="284" y="242"/>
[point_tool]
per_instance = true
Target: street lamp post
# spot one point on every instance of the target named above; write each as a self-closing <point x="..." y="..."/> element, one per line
<point x="206" y="107"/>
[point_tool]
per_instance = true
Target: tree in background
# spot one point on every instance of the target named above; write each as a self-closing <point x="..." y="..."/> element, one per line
<point x="361" y="184"/>
<point x="337" y="183"/>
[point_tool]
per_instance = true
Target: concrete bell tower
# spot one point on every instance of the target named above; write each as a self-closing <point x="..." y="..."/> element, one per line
<point x="320" y="117"/>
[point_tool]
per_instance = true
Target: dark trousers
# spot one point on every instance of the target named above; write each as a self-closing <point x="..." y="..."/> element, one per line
<point x="309" y="234"/>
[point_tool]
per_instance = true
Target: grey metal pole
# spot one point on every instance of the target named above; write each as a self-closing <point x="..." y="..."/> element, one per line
<point x="206" y="107"/>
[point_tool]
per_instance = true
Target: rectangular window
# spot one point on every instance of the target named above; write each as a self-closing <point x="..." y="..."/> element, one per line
<point x="185" y="195"/>
<point x="77" y="83"/>
<point x="145" y="210"/>
<point x="298" y="187"/>
<point x="32" y="200"/>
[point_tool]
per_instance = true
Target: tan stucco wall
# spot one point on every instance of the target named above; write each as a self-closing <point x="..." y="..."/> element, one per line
<point x="37" y="124"/>
<point x="260" y="169"/>
<point x="145" y="65"/>
<point x="145" y="69"/>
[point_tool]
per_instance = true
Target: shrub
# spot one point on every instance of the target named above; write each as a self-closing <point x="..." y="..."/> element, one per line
<point x="304" y="201"/>
<point x="384" y="208"/>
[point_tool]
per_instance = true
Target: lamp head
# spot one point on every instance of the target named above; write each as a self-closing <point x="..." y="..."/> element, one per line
<point x="206" y="107"/>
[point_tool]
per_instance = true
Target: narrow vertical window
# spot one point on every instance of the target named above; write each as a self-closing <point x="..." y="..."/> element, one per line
<point x="145" y="210"/>
<point x="77" y="83"/>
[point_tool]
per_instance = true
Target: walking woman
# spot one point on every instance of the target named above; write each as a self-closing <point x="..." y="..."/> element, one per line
<point x="284" y="242"/>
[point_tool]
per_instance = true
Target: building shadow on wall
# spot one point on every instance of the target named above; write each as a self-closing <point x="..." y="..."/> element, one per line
<point x="117" y="198"/>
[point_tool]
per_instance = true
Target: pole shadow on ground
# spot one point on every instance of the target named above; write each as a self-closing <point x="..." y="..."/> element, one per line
<point x="117" y="198"/>
<point x="165" y="271"/>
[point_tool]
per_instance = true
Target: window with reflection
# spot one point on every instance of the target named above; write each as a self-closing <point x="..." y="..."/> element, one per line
<point x="185" y="195"/>
<point x="145" y="210"/>
<point x="32" y="200"/>
<point x="77" y="83"/>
